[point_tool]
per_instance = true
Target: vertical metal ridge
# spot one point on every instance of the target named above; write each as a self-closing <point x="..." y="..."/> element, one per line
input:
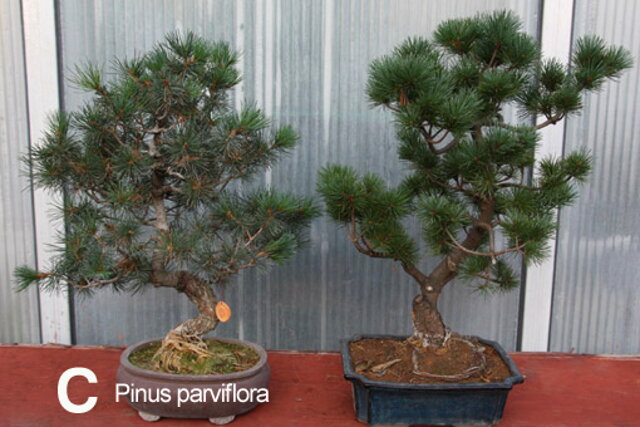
<point x="20" y="320"/>
<point x="564" y="149"/>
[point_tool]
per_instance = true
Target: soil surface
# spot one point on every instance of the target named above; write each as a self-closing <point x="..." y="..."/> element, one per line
<point x="226" y="358"/>
<point x="396" y="360"/>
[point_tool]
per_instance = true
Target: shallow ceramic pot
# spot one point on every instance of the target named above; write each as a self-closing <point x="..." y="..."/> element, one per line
<point x="379" y="402"/>
<point x="219" y="398"/>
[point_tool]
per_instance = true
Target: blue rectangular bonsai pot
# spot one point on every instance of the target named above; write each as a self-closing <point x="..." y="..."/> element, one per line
<point x="378" y="402"/>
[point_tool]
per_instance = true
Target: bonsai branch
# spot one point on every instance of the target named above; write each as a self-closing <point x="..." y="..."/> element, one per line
<point x="487" y="278"/>
<point x="492" y="253"/>
<point x="359" y="241"/>
<point x="431" y="142"/>
<point x="253" y="236"/>
<point x="519" y="185"/>
<point x="175" y="174"/>
<point x="457" y="188"/>
<point x="551" y="120"/>
<point x="446" y="269"/>
<point x="491" y="62"/>
<point x="232" y="268"/>
<point x="95" y="283"/>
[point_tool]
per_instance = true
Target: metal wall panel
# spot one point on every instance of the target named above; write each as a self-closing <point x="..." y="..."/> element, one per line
<point x="305" y="62"/>
<point x="596" y="298"/>
<point x="19" y="320"/>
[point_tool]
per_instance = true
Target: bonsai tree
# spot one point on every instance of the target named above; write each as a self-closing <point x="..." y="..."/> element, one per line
<point x="149" y="168"/>
<point x="469" y="182"/>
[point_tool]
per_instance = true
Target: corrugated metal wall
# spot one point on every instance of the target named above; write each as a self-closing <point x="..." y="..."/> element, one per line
<point x="19" y="320"/>
<point x="305" y="62"/>
<point x="596" y="292"/>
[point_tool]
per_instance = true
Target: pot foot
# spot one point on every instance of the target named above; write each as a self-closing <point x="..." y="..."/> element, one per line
<point x="148" y="417"/>
<point x="222" y="420"/>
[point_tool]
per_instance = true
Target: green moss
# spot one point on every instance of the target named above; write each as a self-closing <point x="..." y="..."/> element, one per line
<point x="226" y="358"/>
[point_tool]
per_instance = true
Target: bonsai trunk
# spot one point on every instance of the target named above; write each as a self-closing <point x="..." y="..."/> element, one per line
<point x="428" y="326"/>
<point x="187" y="336"/>
<point x="201" y="294"/>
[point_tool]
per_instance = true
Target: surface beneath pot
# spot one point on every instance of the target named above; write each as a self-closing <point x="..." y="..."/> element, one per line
<point x="308" y="390"/>
<point x="393" y="360"/>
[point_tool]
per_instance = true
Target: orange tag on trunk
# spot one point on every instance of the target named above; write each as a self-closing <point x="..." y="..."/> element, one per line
<point x="223" y="312"/>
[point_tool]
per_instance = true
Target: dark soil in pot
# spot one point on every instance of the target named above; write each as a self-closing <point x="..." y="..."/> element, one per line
<point x="396" y="360"/>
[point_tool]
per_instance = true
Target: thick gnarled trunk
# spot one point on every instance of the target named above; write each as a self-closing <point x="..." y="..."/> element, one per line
<point x="187" y="336"/>
<point x="428" y="326"/>
<point x="201" y="294"/>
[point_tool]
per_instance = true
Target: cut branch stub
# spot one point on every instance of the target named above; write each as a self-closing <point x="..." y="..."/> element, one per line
<point x="223" y="311"/>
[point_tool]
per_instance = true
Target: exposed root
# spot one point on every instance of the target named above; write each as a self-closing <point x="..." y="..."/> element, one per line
<point x="447" y="336"/>
<point x="174" y="347"/>
<point x="381" y="369"/>
<point x="467" y="373"/>
<point x="419" y="339"/>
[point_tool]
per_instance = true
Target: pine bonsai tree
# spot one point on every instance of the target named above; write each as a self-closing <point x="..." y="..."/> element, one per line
<point x="470" y="168"/>
<point x="149" y="167"/>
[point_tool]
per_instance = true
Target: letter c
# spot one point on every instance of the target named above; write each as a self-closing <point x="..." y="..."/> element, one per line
<point x="63" y="396"/>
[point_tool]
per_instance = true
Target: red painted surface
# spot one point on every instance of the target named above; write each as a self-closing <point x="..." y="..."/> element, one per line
<point x="307" y="389"/>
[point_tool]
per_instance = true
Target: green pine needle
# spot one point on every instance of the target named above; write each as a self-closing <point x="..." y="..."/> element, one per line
<point x="470" y="169"/>
<point x="161" y="132"/>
